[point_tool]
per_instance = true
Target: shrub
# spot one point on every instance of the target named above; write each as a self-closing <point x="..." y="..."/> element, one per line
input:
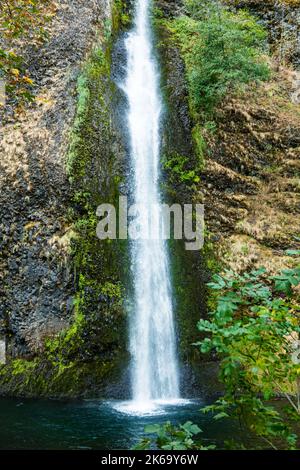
<point x="255" y="330"/>
<point x="222" y="50"/>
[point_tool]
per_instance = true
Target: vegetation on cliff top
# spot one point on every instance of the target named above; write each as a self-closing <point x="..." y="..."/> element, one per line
<point x="221" y="50"/>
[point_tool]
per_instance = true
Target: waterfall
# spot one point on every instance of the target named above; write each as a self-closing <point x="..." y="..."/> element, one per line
<point x="152" y="337"/>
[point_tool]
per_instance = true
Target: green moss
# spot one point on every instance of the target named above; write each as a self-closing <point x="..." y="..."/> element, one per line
<point x="214" y="266"/>
<point x="199" y="145"/>
<point x="22" y="366"/>
<point x="121" y="15"/>
<point x="96" y="67"/>
<point x="99" y="319"/>
<point x="181" y="167"/>
<point x="177" y="166"/>
<point x="112" y="290"/>
<point x="189" y="295"/>
<point x="69" y="340"/>
<point x="42" y="378"/>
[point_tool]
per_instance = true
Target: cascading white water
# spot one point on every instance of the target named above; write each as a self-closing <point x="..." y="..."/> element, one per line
<point x="152" y="336"/>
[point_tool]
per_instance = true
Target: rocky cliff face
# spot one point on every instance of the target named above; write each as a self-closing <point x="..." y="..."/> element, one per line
<point x="251" y="177"/>
<point x="62" y="321"/>
<point x="37" y="283"/>
<point x="251" y="180"/>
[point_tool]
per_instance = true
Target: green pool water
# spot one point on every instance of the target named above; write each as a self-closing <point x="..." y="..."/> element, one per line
<point x="94" y="424"/>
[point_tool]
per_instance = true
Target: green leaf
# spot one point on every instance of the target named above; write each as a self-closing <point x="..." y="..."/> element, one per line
<point x="152" y="428"/>
<point x="221" y="415"/>
<point x="191" y="428"/>
<point x="293" y="252"/>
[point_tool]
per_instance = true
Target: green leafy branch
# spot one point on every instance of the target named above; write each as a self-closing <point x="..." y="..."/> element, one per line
<point x="255" y="329"/>
<point x="170" y="437"/>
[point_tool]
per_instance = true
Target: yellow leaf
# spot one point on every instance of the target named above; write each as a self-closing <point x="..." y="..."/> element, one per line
<point x="41" y="99"/>
<point x="27" y="80"/>
<point x="30" y="225"/>
<point x="15" y="72"/>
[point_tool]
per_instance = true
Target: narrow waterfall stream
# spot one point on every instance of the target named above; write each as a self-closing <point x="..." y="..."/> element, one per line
<point x="154" y="370"/>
